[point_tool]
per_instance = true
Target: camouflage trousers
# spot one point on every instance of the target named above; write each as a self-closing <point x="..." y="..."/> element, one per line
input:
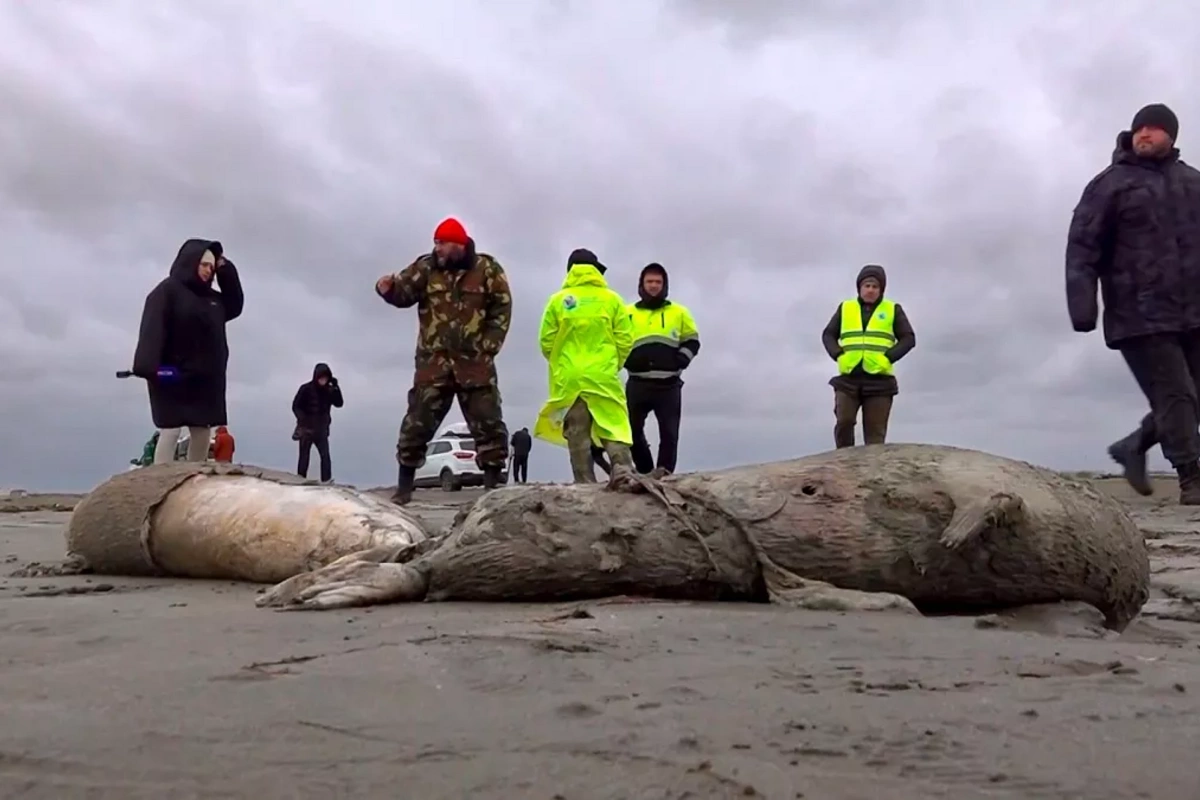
<point x="427" y="409"/>
<point x="577" y="429"/>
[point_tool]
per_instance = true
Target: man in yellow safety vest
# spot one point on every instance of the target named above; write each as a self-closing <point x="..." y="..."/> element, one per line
<point x="866" y="336"/>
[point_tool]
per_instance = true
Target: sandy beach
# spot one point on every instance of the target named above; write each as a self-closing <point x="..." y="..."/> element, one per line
<point x="121" y="688"/>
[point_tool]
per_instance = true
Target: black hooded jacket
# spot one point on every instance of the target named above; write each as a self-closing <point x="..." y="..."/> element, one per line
<point x="312" y="401"/>
<point x="1135" y="233"/>
<point x="183" y="326"/>
<point x="859" y="380"/>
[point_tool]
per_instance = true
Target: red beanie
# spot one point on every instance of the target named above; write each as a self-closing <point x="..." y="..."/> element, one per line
<point x="450" y="230"/>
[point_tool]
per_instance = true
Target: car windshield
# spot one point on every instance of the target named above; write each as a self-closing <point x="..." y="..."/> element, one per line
<point x="465" y="444"/>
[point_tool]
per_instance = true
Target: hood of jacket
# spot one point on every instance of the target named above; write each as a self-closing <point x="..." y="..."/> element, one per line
<point x="660" y="300"/>
<point x="322" y="369"/>
<point x="584" y="275"/>
<point x="186" y="267"/>
<point x="1123" y="153"/>
<point x="872" y="271"/>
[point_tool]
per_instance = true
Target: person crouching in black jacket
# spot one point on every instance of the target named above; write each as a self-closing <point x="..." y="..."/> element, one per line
<point x="311" y="408"/>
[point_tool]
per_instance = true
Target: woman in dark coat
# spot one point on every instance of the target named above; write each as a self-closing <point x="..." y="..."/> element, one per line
<point x="182" y="351"/>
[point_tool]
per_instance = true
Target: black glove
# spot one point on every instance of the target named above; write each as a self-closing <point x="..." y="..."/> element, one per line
<point x="1084" y="326"/>
<point x="332" y="382"/>
<point x="681" y="360"/>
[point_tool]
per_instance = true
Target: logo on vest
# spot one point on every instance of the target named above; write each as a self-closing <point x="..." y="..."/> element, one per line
<point x="569" y="302"/>
<point x="881" y="315"/>
<point x="674" y="333"/>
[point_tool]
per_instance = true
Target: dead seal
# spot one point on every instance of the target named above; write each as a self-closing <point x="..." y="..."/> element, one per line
<point x="232" y="522"/>
<point x="948" y="530"/>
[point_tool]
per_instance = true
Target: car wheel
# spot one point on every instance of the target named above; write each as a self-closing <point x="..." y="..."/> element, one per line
<point x="449" y="482"/>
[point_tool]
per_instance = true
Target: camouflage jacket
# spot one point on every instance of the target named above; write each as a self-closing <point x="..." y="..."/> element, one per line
<point x="463" y="313"/>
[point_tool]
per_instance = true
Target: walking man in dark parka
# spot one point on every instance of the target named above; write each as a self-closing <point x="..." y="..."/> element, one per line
<point x="311" y="407"/>
<point x="1135" y="233"/>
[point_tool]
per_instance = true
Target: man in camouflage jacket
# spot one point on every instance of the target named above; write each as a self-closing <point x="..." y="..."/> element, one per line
<point x="1136" y="234"/>
<point x="464" y="310"/>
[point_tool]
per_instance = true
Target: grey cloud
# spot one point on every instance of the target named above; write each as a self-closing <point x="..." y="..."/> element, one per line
<point x="762" y="151"/>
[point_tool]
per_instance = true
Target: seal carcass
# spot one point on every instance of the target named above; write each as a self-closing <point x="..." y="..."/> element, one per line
<point x="951" y="530"/>
<point x="210" y="520"/>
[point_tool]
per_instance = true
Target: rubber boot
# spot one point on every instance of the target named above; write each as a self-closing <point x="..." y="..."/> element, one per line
<point x="1189" y="484"/>
<point x="1130" y="453"/>
<point x="491" y="478"/>
<point x="404" y="486"/>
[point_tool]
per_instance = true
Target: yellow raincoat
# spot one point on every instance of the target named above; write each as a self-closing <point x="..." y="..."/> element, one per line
<point x="585" y="336"/>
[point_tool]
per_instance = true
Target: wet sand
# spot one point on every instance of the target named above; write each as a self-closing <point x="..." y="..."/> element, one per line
<point x="120" y="688"/>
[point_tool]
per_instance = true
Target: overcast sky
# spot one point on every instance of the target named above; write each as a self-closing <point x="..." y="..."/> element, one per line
<point x="762" y="151"/>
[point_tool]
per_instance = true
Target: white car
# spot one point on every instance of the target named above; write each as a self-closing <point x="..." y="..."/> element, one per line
<point x="450" y="463"/>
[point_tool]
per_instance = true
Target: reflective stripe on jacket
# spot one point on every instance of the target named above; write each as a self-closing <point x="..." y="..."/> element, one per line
<point x="665" y="340"/>
<point x="866" y="345"/>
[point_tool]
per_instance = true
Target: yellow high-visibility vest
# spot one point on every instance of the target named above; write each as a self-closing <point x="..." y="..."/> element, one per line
<point x="867" y="344"/>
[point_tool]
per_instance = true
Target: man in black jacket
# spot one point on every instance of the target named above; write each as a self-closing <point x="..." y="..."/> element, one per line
<point x="311" y="408"/>
<point x="866" y="336"/>
<point x="521" y="444"/>
<point x="1135" y="233"/>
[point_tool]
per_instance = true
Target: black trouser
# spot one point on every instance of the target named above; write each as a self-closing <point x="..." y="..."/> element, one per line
<point x="665" y="399"/>
<point x="1167" y="369"/>
<point x="520" y="468"/>
<point x="321" y="440"/>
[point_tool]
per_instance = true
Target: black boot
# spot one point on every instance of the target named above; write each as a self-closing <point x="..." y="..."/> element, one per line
<point x="491" y="478"/>
<point x="1130" y="453"/>
<point x="404" y="486"/>
<point x="1189" y="484"/>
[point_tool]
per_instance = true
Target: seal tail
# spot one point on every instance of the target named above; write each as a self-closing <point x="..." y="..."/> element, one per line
<point x="972" y="519"/>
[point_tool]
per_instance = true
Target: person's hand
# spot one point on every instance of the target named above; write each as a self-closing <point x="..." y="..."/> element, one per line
<point x="220" y="263"/>
<point x="332" y="382"/>
<point x="383" y="286"/>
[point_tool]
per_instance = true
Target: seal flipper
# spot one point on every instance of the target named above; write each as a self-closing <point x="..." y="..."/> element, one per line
<point x="972" y="519"/>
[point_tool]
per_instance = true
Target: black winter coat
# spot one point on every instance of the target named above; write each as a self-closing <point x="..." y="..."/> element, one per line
<point x="312" y="402"/>
<point x="1136" y="233"/>
<point x="183" y="326"/>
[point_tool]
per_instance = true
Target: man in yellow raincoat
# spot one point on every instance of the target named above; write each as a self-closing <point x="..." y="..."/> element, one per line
<point x="585" y="336"/>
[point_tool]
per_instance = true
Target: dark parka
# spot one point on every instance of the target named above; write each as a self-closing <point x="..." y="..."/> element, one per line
<point x="312" y="402"/>
<point x="859" y="381"/>
<point x="1136" y="233"/>
<point x="522" y="443"/>
<point x="183" y="326"/>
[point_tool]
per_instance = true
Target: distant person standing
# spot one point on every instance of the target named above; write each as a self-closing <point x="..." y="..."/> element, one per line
<point x="866" y="336"/>
<point x="521" y="444"/>
<point x="1135" y="234"/>
<point x="311" y="408"/>
<point x="464" y="308"/>
<point x="665" y="341"/>
<point x="182" y="351"/>
<point x="585" y="337"/>
<point x="223" y="445"/>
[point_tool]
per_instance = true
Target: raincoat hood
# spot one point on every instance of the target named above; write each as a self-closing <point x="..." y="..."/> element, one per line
<point x="584" y="275"/>
<point x="322" y="369"/>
